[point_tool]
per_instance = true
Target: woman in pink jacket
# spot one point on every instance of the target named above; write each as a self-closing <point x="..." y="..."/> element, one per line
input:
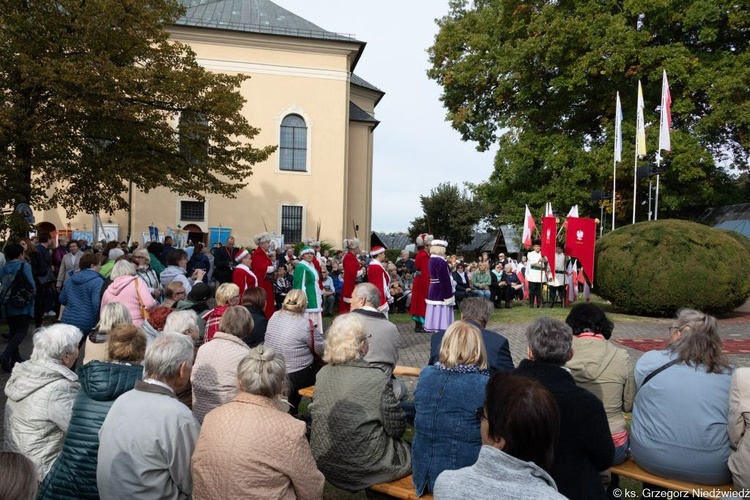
<point x="129" y="290"/>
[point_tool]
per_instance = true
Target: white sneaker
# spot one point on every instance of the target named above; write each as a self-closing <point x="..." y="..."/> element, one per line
<point x="50" y="314"/>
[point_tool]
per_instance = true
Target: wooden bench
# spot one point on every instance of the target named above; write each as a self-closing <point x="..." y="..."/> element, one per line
<point x="401" y="488"/>
<point x="631" y="469"/>
<point x="407" y="371"/>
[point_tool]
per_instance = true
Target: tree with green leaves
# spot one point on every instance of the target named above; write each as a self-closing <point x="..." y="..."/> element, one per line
<point x="96" y="95"/>
<point x="539" y="79"/>
<point x="448" y="213"/>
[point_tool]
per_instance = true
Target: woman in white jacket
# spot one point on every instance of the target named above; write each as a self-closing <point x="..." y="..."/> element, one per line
<point x="40" y="395"/>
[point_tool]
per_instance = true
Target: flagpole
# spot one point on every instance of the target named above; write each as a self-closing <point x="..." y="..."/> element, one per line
<point x="614" y="191"/>
<point x="635" y="177"/>
<point x="656" y="202"/>
<point x="649" y="197"/>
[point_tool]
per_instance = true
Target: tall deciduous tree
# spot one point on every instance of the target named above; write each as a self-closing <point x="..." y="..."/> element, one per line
<point x="449" y="213"/>
<point x="546" y="73"/>
<point x="92" y="95"/>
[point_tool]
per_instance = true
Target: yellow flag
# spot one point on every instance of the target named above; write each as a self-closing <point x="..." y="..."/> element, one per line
<point x="640" y="134"/>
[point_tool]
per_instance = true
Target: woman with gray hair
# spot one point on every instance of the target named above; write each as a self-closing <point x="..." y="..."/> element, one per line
<point x="40" y="395"/>
<point x="146" y="272"/>
<point x="357" y="422"/>
<point x="130" y="290"/>
<point x="679" y="425"/>
<point x="214" y="377"/>
<point x="238" y="453"/>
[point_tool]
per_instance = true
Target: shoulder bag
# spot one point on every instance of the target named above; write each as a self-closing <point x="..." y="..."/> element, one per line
<point x="317" y="359"/>
<point x="144" y="312"/>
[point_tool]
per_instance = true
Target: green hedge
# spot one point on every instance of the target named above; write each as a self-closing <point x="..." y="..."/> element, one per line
<point x="655" y="268"/>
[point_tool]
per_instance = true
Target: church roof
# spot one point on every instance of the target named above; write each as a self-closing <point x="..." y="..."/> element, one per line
<point x="357" y="114"/>
<point x="253" y="16"/>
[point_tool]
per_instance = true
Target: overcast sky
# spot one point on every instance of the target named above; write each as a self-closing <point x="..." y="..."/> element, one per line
<point x="415" y="148"/>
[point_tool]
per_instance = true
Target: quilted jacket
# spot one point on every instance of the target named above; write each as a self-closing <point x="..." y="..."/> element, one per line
<point x="73" y="475"/>
<point x="81" y="296"/>
<point x="37" y="413"/>
<point x="249" y="449"/>
<point x="357" y="425"/>
<point x="214" y="375"/>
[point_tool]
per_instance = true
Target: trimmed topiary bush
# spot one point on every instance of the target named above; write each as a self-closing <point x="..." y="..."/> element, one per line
<point x="655" y="268"/>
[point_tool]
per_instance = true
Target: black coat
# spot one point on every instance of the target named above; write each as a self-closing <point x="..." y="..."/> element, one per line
<point x="224" y="264"/>
<point x="585" y="445"/>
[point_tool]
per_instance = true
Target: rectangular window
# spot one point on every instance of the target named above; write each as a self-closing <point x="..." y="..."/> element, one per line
<point x="193" y="210"/>
<point x="291" y="223"/>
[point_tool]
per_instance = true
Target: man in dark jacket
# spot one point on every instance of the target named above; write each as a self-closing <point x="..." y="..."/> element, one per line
<point x="584" y="451"/>
<point x="224" y="261"/>
<point x="43" y="302"/>
<point x="477" y="310"/>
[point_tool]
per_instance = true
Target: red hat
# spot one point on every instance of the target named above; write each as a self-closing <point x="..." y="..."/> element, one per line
<point x="376" y="250"/>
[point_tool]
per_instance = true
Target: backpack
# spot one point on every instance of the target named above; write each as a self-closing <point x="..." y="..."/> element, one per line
<point x="21" y="292"/>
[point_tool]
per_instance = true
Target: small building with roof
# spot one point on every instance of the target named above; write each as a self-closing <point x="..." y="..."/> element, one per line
<point x="304" y="96"/>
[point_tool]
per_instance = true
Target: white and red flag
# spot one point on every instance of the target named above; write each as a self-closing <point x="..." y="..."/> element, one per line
<point x="666" y="115"/>
<point x="528" y="228"/>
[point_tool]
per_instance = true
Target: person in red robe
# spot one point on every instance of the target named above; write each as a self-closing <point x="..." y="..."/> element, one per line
<point x="262" y="266"/>
<point x="351" y="268"/>
<point x="243" y="276"/>
<point x="378" y="276"/>
<point x="418" y="307"/>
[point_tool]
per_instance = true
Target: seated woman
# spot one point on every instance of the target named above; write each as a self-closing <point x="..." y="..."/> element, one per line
<point x="481" y="281"/>
<point x="292" y="335"/>
<point x="239" y="452"/>
<point x="463" y="285"/>
<point x="254" y="300"/>
<point x="679" y="425"/>
<point x="214" y="376"/>
<point x="357" y="422"/>
<point x="227" y="295"/>
<point x="74" y="473"/>
<point x="40" y="396"/>
<point x="602" y="369"/>
<point x="520" y="423"/>
<point x="497" y="285"/>
<point x="446" y="431"/>
<point x="513" y="288"/>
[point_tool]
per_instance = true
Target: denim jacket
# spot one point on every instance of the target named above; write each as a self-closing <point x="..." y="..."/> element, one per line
<point x="446" y="431"/>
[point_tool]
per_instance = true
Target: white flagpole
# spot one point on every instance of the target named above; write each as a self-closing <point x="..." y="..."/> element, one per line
<point x="617" y="155"/>
<point x="664" y="139"/>
<point x="635" y="178"/>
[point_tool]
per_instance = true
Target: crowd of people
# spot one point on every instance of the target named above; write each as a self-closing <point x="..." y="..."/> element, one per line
<point x="185" y="391"/>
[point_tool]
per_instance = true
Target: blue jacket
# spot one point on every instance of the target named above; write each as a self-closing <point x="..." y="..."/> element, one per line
<point x="81" y="296"/>
<point x="7" y="275"/>
<point x="497" y="347"/>
<point x="73" y="475"/>
<point x="446" y="431"/>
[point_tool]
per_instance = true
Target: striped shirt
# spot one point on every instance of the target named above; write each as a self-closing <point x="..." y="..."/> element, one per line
<point x="289" y="334"/>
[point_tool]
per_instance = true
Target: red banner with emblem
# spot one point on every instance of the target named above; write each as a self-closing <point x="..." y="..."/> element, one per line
<point x="580" y="242"/>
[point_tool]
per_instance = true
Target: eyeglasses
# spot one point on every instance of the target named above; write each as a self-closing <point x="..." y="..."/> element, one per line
<point x="673" y="329"/>
<point x="480" y="414"/>
<point x="179" y="293"/>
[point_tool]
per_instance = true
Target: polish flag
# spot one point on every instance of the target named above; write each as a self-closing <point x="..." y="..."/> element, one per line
<point x="528" y="227"/>
<point x="666" y="115"/>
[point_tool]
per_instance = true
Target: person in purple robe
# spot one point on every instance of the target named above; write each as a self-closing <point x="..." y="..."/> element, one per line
<point x="440" y="299"/>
